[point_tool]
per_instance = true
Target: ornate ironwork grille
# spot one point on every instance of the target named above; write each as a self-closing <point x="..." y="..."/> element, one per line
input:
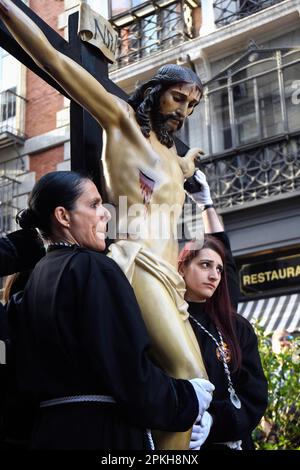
<point x="227" y="11"/>
<point x="258" y="173"/>
<point x="250" y="118"/>
<point x="163" y="28"/>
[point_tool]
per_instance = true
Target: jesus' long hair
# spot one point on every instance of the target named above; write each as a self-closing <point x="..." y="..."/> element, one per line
<point x="145" y="100"/>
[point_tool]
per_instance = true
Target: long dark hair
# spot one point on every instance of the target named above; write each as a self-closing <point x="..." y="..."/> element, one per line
<point x="218" y="307"/>
<point x="58" y="188"/>
<point x="14" y="283"/>
<point x="146" y="106"/>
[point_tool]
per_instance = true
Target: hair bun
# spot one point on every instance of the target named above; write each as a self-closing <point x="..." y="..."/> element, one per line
<point x="26" y="219"/>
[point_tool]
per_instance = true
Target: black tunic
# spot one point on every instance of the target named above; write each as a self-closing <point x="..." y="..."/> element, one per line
<point x="231" y="424"/>
<point x="19" y="251"/>
<point x="79" y="331"/>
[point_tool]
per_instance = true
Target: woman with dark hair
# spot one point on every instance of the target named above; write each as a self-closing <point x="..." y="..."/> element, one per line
<point x="79" y="340"/>
<point x="227" y="340"/>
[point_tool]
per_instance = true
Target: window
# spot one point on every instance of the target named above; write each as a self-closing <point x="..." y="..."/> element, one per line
<point x="10" y="198"/>
<point x="246" y="120"/>
<point x="7" y="104"/>
<point x="270" y="110"/>
<point x="256" y="98"/>
<point x="121" y="6"/>
<point x="8" y="111"/>
<point x="149" y="36"/>
<point x="6" y="208"/>
<point x="227" y="11"/>
<point x="6" y="218"/>
<point x="220" y="121"/>
<point x="147" y="27"/>
<point x="150" y="32"/>
<point x="291" y="76"/>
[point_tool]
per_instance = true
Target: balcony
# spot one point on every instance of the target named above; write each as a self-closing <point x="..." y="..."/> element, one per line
<point x="10" y="182"/>
<point x="154" y="27"/>
<point x="249" y="124"/>
<point x="12" y="118"/>
<point x="259" y="172"/>
<point x="227" y="11"/>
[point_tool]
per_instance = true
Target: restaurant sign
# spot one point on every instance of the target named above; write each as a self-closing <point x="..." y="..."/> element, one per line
<point x="270" y="275"/>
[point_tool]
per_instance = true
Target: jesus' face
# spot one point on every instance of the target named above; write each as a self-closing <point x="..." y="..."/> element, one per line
<point x="177" y="103"/>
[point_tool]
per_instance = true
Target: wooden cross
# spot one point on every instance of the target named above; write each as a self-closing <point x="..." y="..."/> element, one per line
<point x="85" y="132"/>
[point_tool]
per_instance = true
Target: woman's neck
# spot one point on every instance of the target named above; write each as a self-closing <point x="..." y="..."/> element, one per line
<point x="63" y="236"/>
<point x="189" y="298"/>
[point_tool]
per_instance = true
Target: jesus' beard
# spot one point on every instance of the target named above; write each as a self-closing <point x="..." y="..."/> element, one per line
<point x="162" y="131"/>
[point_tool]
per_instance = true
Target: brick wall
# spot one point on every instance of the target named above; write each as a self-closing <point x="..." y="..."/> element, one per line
<point x="197" y="19"/>
<point x="46" y="161"/>
<point x="43" y="101"/>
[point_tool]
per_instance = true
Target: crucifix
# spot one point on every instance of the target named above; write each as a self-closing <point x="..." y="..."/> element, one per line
<point x="85" y="132"/>
<point x="140" y="162"/>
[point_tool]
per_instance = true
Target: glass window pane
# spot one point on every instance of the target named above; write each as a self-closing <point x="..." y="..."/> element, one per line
<point x="217" y="83"/>
<point x="8" y="107"/>
<point x="171" y="25"/>
<point x="119" y="6"/>
<point x="226" y="9"/>
<point x="136" y="3"/>
<point x="255" y="69"/>
<point x="220" y="122"/>
<point x="245" y="115"/>
<point x="271" y="121"/>
<point x="291" y="77"/>
<point x="129" y="45"/>
<point x="195" y="131"/>
<point x="290" y="57"/>
<point x="149" y="36"/>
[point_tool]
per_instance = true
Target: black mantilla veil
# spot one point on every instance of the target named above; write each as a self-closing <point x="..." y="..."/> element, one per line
<point x="147" y="106"/>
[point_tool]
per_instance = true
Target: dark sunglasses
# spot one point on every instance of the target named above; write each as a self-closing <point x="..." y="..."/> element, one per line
<point x="286" y="338"/>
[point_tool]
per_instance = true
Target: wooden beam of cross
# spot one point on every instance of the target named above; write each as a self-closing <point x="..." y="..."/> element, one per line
<point x="85" y="132"/>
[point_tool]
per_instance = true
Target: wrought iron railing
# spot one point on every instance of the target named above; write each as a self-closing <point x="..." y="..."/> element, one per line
<point x="259" y="172"/>
<point x="10" y="173"/>
<point x="161" y="28"/>
<point x="227" y="11"/>
<point x="12" y="114"/>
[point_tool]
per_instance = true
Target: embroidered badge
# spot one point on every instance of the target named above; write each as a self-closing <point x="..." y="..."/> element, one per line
<point x="146" y="185"/>
<point x="226" y="351"/>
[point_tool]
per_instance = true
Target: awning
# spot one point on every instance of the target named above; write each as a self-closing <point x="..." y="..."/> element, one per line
<point x="274" y="313"/>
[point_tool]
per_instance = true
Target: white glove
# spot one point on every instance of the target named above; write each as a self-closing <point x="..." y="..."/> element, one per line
<point x="203" y="196"/>
<point x="233" y="445"/>
<point x="203" y="389"/>
<point x="200" y="431"/>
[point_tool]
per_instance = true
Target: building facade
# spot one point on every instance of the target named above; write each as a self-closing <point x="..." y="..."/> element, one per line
<point x="32" y="126"/>
<point x="247" y="54"/>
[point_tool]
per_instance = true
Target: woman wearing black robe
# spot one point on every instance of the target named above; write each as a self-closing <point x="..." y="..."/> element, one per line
<point x="229" y="424"/>
<point x="80" y="342"/>
<point x="19" y="251"/>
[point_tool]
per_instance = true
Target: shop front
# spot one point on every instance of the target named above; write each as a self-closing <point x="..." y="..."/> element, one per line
<point x="271" y="292"/>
